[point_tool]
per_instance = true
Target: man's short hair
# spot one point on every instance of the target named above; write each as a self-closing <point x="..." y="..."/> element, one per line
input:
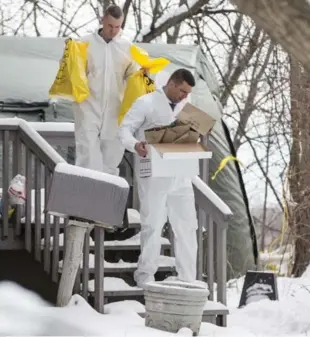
<point x="183" y="75"/>
<point x="114" y="11"/>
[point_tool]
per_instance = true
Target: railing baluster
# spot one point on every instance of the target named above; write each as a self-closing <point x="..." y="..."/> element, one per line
<point x="17" y="169"/>
<point x="38" y="218"/>
<point x="47" y="224"/>
<point x="66" y="221"/>
<point x="221" y="263"/>
<point x="210" y="255"/>
<point x="28" y="233"/>
<point x="5" y="182"/>
<point x="55" y="249"/>
<point x="135" y="195"/>
<point x="171" y="239"/>
<point x="85" y="272"/>
<point x="201" y="224"/>
<point x="99" y="269"/>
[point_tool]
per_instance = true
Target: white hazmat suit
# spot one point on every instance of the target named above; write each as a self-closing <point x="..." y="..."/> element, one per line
<point x="108" y="66"/>
<point x="161" y="197"/>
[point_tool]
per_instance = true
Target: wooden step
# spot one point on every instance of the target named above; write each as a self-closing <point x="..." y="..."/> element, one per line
<point x="215" y="308"/>
<point x="213" y="312"/>
<point x="132" y="243"/>
<point x="212" y="308"/>
<point x="116" y="287"/>
<point x="166" y="264"/>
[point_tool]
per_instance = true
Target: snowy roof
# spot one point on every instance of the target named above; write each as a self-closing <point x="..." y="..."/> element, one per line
<point x="29" y="65"/>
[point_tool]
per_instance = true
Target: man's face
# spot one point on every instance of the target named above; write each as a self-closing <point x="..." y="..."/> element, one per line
<point x="178" y="91"/>
<point x="111" y="26"/>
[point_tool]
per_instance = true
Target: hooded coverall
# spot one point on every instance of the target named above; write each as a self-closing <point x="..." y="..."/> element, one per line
<point x="161" y="197"/>
<point x="108" y="66"/>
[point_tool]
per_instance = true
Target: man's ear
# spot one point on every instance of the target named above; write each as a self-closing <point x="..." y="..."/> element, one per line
<point x="101" y="20"/>
<point x="170" y="84"/>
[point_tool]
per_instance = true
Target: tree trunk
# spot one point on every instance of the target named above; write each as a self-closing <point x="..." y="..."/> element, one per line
<point x="286" y="21"/>
<point x="299" y="178"/>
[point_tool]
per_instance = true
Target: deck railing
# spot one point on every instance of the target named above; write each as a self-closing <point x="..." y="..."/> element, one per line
<point x="32" y="154"/>
<point x="24" y="151"/>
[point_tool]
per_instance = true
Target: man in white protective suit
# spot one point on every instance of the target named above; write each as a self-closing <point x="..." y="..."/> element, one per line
<point x="108" y="66"/>
<point x="171" y="197"/>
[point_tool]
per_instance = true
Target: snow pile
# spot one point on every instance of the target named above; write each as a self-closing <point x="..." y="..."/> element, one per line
<point x="53" y="126"/>
<point x="24" y="313"/>
<point x="213" y="197"/>
<point x="123" y="307"/>
<point x="92" y="174"/>
<point x="288" y="316"/>
<point x="112" y="284"/>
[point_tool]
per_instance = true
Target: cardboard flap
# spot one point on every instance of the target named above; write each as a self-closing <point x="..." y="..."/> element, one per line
<point x="174" y="133"/>
<point x="169" y="136"/>
<point x="189" y="137"/>
<point x="154" y="137"/>
<point x="199" y="120"/>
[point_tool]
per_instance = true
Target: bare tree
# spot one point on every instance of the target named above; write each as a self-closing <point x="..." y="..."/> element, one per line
<point x="252" y="80"/>
<point x="287" y="22"/>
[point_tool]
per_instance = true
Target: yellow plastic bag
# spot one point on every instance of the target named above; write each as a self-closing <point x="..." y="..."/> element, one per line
<point x="71" y="81"/>
<point x="153" y="66"/>
<point x="139" y="83"/>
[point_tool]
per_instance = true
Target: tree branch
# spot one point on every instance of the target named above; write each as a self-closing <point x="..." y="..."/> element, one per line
<point x="172" y="21"/>
<point x="125" y="11"/>
<point x="287" y="22"/>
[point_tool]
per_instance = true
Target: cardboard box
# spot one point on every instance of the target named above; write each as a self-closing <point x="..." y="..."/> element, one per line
<point x="174" y="150"/>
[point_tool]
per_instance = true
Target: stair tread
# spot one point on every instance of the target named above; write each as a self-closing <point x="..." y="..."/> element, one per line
<point x="114" y="286"/>
<point x="211" y="308"/>
<point x="214" y="307"/>
<point x="117" y="287"/>
<point x="130" y="243"/>
<point x="165" y="263"/>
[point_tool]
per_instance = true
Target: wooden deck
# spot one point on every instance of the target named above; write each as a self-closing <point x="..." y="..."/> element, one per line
<point x="42" y="236"/>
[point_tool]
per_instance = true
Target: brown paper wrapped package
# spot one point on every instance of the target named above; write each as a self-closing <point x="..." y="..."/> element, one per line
<point x="176" y="134"/>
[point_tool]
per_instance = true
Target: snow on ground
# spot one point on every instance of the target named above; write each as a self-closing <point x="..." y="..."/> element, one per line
<point x="24" y="313"/>
<point x="287" y="317"/>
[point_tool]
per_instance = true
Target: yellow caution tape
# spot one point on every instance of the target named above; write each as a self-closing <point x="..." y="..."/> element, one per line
<point x="223" y="163"/>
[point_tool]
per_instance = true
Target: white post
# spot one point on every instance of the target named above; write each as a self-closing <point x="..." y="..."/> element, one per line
<point x="74" y="251"/>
